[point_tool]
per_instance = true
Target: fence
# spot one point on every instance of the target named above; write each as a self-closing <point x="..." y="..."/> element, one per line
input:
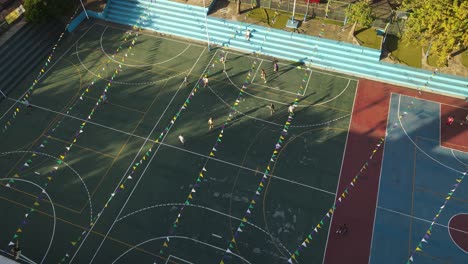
<point x="334" y="10"/>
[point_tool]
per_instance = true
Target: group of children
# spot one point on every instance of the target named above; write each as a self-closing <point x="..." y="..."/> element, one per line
<point x="451" y="120"/>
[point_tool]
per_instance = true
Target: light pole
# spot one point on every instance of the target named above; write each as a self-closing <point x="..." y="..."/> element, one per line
<point x="206" y="26"/>
<point x="84" y="9"/>
<point x="292" y="23"/>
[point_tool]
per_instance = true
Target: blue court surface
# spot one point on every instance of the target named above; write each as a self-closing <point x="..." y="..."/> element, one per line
<point x="417" y="173"/>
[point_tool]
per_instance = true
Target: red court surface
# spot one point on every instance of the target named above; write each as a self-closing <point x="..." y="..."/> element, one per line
<point x="455" y="135"/>
<point x="368" y="124"/>
<point x="459" y="225"/>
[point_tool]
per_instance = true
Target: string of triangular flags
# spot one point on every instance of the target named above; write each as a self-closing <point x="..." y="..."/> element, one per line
<point x="142" y="160"/>
<point x="326" y="218"/>
<point x="279" y="144"/>
<point x="137" y="28"/>
<point x="427" y="235"/>
<point x="352" y="184"/>
<point x="214" y="149"/>
<point x="50" y="174"/>
<point x="28" y="93"/>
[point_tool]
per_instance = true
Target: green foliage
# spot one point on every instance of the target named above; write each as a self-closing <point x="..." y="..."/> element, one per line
<point x="440" y="24"/>
<point x="41" y="10"/>
<point x="361" y="13"/>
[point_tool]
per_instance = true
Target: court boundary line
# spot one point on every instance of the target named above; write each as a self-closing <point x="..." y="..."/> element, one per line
<point x="422" y="219"/>
<point x="230" y="81"/>
<point x="440" y="132"/>
<point x="53" y="210"/>
<point x="142" y="65"/>
<point x="450" y="235"/>
<point x="114" y="25"/>
<point x="380" y="175"/>
<point x="180" y="237"/>
<point x="49" y="69"/>
<point x="208" y="209"/>
<point x="68" y="166"/>
<point x="341" y="170"/>
<point x="412" y="142"/>
<point x="314" y="68"/>
<point x="147" y="165"/>
<point x="184" y="150"/>
<point x="457" y="159"/>
<point x="183" y="260"/>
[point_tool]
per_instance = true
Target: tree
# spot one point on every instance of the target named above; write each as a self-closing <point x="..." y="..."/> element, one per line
<point x="360" y="13"/>
<point x="238" y="7"/>
<point x="41" y="10"/>
<point x="440" y="25"/>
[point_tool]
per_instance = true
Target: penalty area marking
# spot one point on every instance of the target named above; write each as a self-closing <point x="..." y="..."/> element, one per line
<point x="53" y="211"/>
<point x="177" y="258"/>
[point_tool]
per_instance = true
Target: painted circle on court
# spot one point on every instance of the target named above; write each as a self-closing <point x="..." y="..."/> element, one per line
<point x="458" y="231"/>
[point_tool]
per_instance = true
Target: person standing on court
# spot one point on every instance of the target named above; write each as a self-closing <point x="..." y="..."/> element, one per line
<point x="205" y="81"/>
<point x="263" y="75"/>
<point x="247" y="35"/>
<point x="210" y="124"/>
<point x="182" y="140"/>
<point x="275" y="66"/>
<point x="16" y="250"/>
<point x="272" y="108"/>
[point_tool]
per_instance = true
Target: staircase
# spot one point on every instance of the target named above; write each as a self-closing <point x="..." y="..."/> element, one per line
<point x="24" y="51"/>
<point x="189" y="22"/>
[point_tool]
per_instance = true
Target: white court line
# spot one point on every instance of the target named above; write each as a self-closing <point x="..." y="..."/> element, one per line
<point x="341" y="168"/>
<point x="307" y="85"/>
<point x="113" y="25"/>
<point x="140" y="65"/>
<point x="183" y="260"/>
<point x="422" y="219"/>
<point x="289" y="65"/>
<point x="450" y="234"/>
<point x="50" y="68"/>
<point x="253" y="77"/>
<point x="180" y="237"/>
<point x="53" y="211"/>
<point x="185" y="150"/>
<point x="66" y="164"/>
<point x="270" y="122"/>
<point x="380" y="174"/>
<point x="147" y="164"/>
<point x="208" y="209"/>
<point x="416" y="145"/>
<point x="281" y="103"/>
<point x="457" y="159"/>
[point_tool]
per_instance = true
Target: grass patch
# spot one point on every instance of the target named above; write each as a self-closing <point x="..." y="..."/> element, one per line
<point x="368" y="38"/>
<point x="404" y="53"/>
<point x="266" y="16"/>
<point x="332" y="22"/>
<point x="464" y="58"/>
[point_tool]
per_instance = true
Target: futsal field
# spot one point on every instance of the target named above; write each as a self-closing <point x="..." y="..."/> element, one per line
<point x="95" y="171"/>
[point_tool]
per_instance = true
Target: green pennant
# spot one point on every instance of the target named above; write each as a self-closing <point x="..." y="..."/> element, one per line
<point x="251" y="206"/>
<point x="242" y="224"/>
<point x="15" y="236"/>
<point x="296" y="253"/>
<point x="198" y="180"/>
<point x="230" y="245"/>
<point x="309" y="236"/>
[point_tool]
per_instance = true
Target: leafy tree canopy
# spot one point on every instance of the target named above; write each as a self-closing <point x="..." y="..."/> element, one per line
<point x="361" y="13"/>
<point x="41" y="10"/>
<point x="442" y="24"/>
